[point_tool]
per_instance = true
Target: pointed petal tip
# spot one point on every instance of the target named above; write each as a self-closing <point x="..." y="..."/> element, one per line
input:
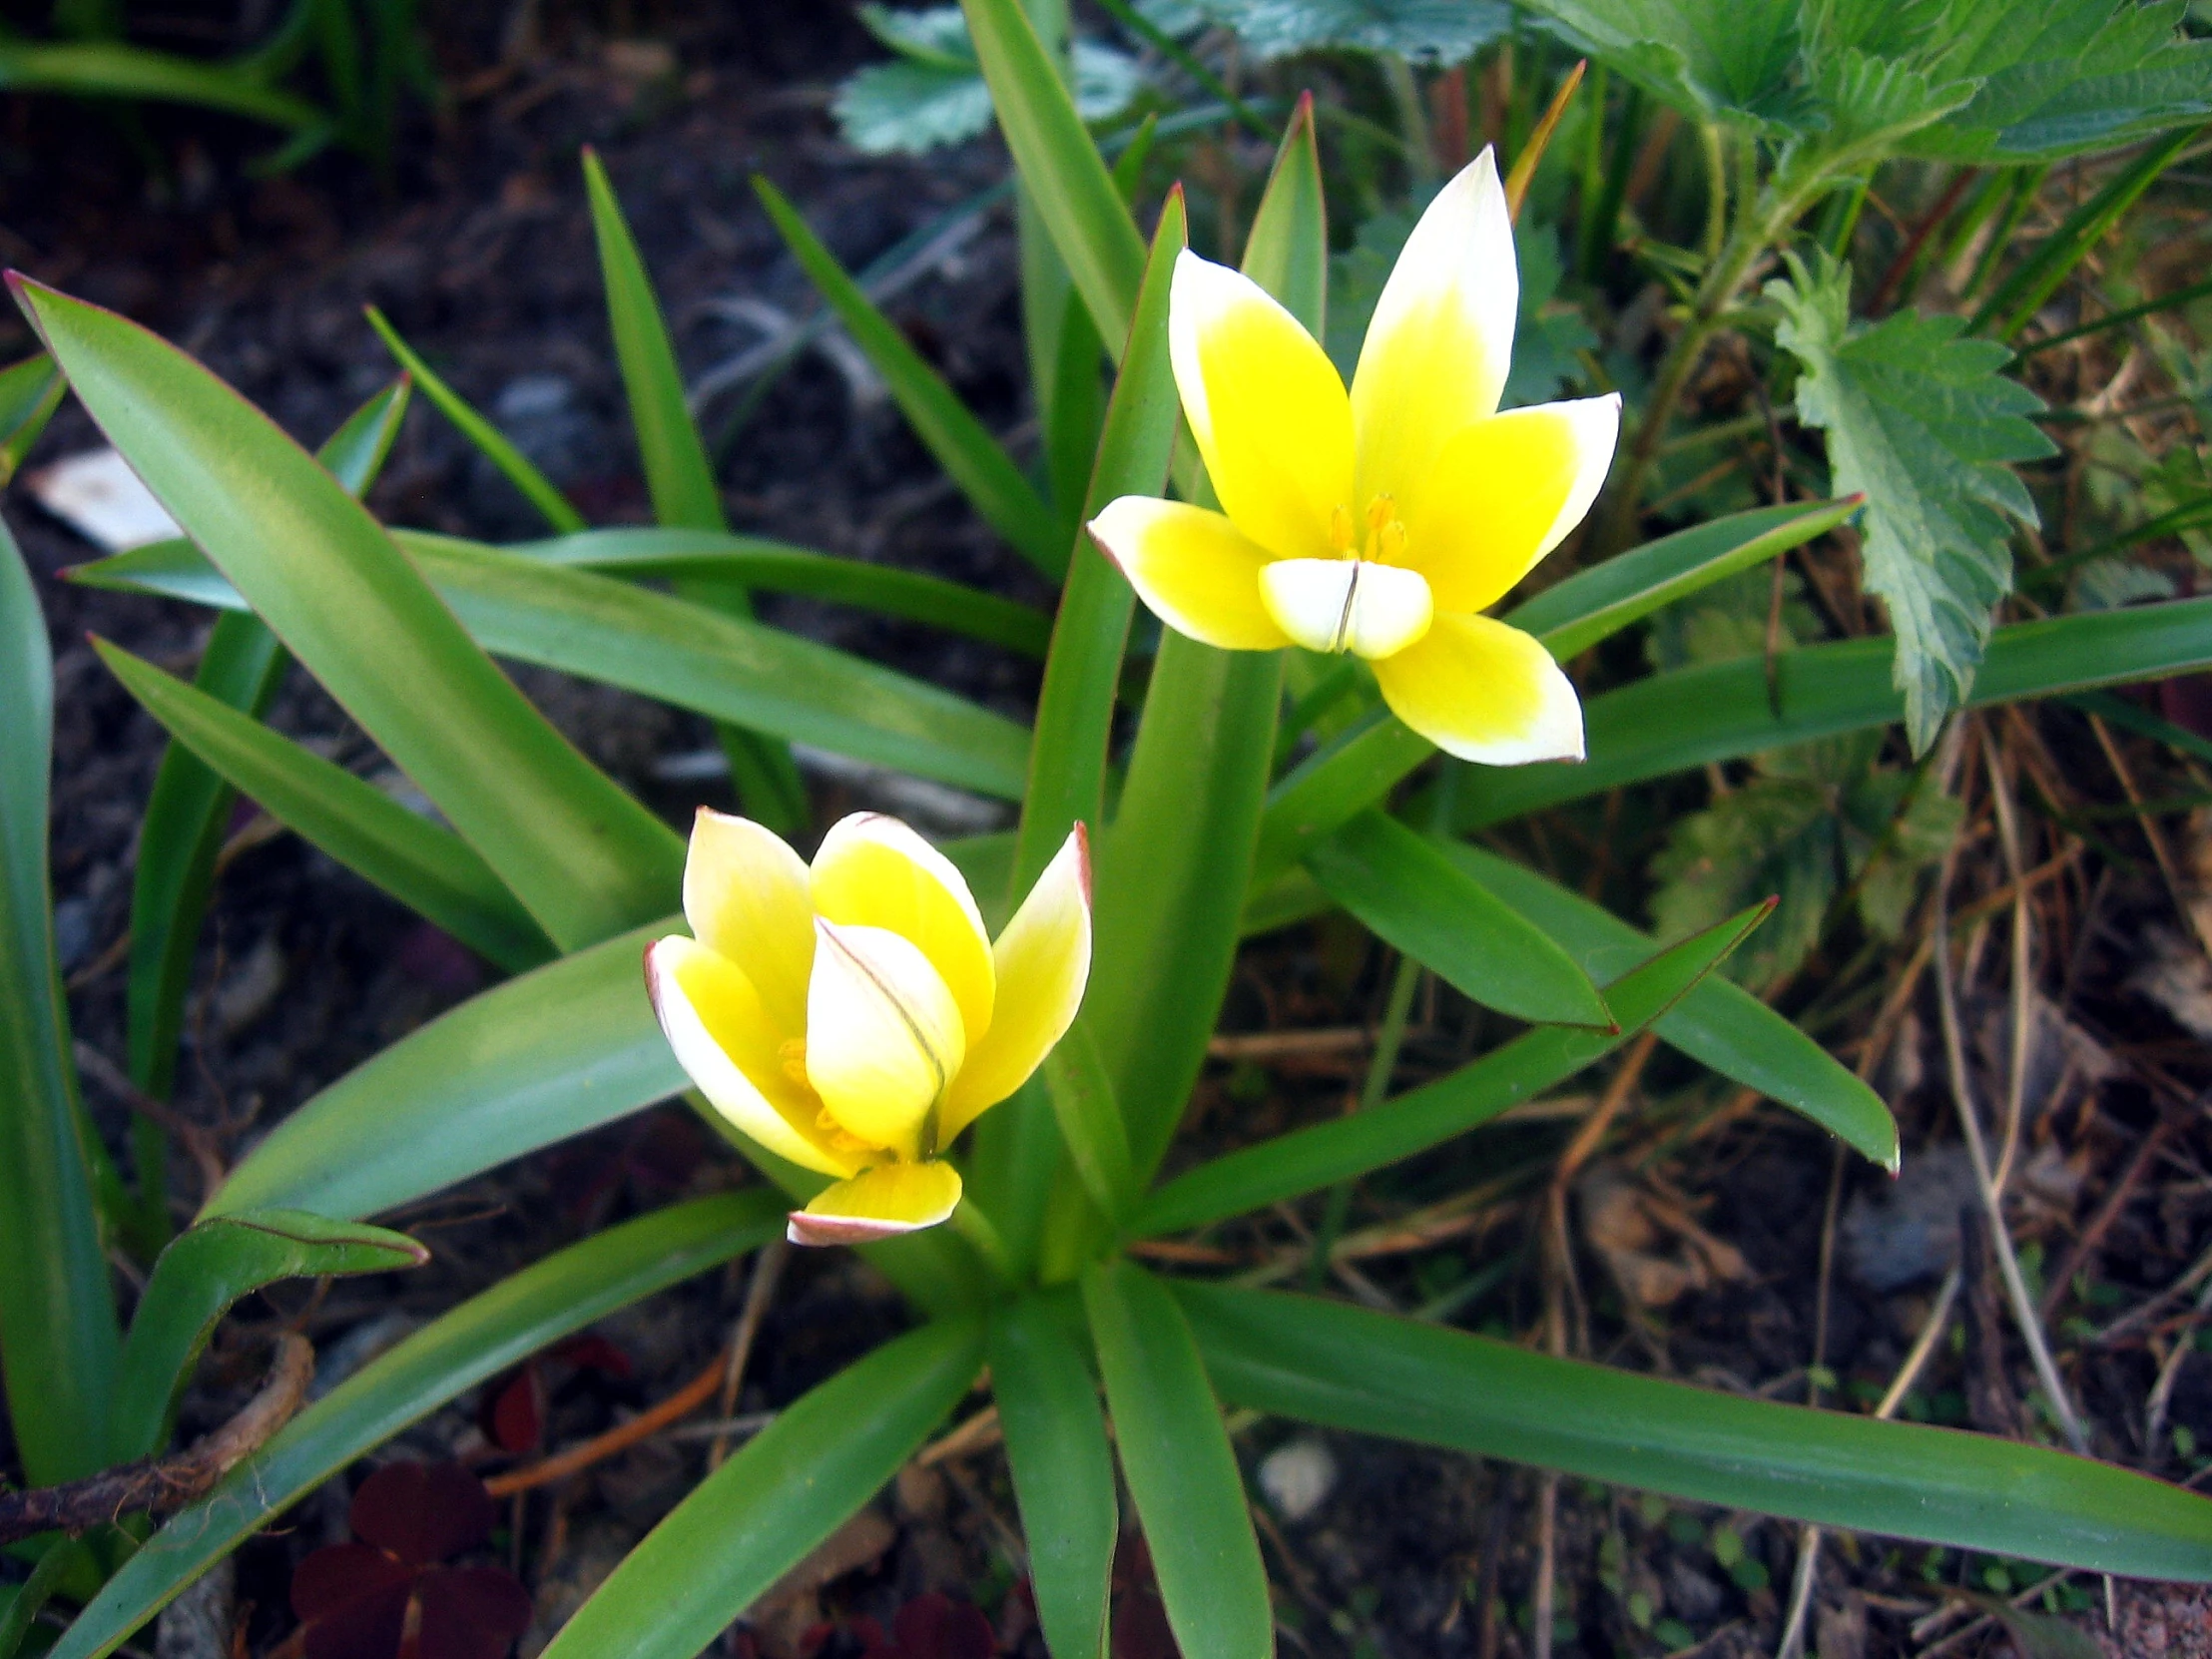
<point x="1081" y="836"/>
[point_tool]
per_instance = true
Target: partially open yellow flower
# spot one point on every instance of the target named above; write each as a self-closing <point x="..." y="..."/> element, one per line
<point x="854" y="1016"/>
<point x="1377" y="522"/>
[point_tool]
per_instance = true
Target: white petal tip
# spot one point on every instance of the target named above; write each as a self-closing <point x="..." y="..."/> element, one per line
<point x="803" y="1229"/>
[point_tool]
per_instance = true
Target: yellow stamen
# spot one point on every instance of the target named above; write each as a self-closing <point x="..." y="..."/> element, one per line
<point x="791" y="1055"/>
<point x="1340" y="530"/>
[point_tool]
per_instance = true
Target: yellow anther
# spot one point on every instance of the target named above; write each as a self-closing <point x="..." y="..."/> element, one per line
<point x="792" y="1056"/>
<point x="1340" y="529"/>
<point x="1390" y="542"/>
<point x="1380" y="511"/>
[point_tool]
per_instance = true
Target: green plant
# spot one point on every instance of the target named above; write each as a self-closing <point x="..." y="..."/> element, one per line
<point x="1256" y="790"/>
<point x="366" y="55"/>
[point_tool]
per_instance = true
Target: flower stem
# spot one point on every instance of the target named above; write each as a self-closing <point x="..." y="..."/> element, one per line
<point x="981" y="1231"/>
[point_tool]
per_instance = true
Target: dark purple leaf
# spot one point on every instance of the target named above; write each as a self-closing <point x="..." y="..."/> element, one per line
<point x="934" y="1626"/>
<point x="353" y="1598"/>
<point x="471" y="1612"/>
<point x="423" y="1512"/>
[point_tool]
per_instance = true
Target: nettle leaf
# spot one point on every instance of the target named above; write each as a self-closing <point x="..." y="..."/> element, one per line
<point x="1955" y="80"/>
<point x="1437" y="32"/>
<point x="1921" y="421"/>
<point x="934" y="95"/>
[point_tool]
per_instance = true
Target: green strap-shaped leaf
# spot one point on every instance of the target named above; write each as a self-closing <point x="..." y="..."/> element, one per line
<point x="680" y="478"/>
<point x="30" y="393"/>
<point x="583" y="856"/>
<point x="1063" y="1471"/>
<point x="1403" y="890"/>
<point x="559" y="616"/>
<point x="190" y="806"/>
<point x="1591" y="605"/>
<point x="1326" y="1362"/>
<point x="481" y="1338"/>
<point x="1075" y="707"/>
<point x="779" y="567"/>
<point x="1282" y="253"/>
<point x="1309" y="1159"/>
<point x="1717" y="1023"/>
<point x="115" y="69"/>
<point x="494" y="445"/>
<point x="426" y="867"/>
<point x="1181" y="1469"/>
<point x="1068" y="184"/>
<point x="202" y="1272"/>
<point x="1175" y="871"/>
<point x="549" y="1055"/>
<point x="58" y="1331"/>
<point x="1363" y="764"/>
<point x="795" y="1483"/>
<point x="1082" y="1095"/>
<point x="1718" y="712"/>
<point x="736" y="670"/>
<point x="970" y="456"/>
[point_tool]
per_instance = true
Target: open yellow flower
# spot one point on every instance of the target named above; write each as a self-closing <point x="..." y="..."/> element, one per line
<point x="854" y="1016"/>
<point x="1379" y="521"/>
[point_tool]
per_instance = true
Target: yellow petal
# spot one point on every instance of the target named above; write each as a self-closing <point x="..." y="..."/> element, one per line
<point x="879" y="1203"/>
<point x="1371" y="610"/>
<point x="1441" y="336"/>
<point x="883" y="1036"/>
<point x="1265" y="404"/>
<point x="874" y="872"/>
<point x="728" y="1046"/>
<point x="745" y="896"/>
<point x="1504" y="493"/>
<point x="1484" y="692"/>
<point x="1045" y="961"/>
<point x="1195" y="571"/>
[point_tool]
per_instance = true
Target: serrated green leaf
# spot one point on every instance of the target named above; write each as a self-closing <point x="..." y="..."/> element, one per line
<point x="1439" y="33"/>
<point x="1922" y="423"/>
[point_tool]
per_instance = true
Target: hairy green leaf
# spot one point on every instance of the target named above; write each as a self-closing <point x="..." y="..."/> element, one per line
<point x="1922" y="423"/>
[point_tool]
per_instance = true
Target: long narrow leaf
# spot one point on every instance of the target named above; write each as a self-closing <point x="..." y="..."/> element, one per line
<point x="1309" y="1159"/>
<point x="196" y="1280"/>
<point x="1063" y="1471"/>
<point x="1346" y="1367"/>
<point x="795" y="1483"/>
<point x="30" y="393"/>
<point x="1182" y="1470"/>
<point x="1574" y="615"/>
<point x="970" y="456"/>
<point x="58" y="1331"/>
<point x="738" y="670"/>
<point x="426" y="866"/>
<point x="680" y="478"/>
<point x="1717" y="1023"/>
<point x="552" y="1054"/>
<point x="1407" y="893"/>
<point x="483" y="1336"/>
<point x="494" y="445"/>
<point x="559" y="616"/>
<point x="583" y="856"/>
<point x="1069" y="182"/>
<point x="779" y="567"/>
<point x="1720" y="711"/>
<point x="190" y="806"/>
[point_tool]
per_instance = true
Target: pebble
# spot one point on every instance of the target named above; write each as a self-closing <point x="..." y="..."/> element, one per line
<point x="1297" y="1478"/>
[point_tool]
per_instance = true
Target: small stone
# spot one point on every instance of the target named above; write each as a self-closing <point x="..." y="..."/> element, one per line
<point x="1908" y="1231"/>
<point x="1297" y="1478"/>
<point x="197" y="1626"/>
<point x="72" y="932"/>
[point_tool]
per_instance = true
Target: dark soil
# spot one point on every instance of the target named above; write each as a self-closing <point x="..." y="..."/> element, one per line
<point x="480" y="253"/>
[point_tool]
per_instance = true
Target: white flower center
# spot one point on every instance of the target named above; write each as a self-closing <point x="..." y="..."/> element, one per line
<point x="1364" y="601"/>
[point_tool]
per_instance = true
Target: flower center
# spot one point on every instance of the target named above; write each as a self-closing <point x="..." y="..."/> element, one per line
<point x="1386" y="538"/>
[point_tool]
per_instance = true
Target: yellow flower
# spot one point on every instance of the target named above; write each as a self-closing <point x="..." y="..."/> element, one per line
<point x="854" y="1016"/>
<point x="1379" y="521"/>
